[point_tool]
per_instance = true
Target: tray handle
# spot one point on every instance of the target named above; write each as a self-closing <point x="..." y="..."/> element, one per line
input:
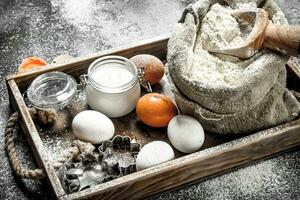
<point x="46" y="116"/>
<point x="18" y="168"/>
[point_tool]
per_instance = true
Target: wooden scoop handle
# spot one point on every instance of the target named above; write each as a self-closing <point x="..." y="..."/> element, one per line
<point x="283" y="38"/>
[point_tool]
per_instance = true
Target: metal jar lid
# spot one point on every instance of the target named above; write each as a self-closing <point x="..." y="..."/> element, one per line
<point x="52" y="90"/>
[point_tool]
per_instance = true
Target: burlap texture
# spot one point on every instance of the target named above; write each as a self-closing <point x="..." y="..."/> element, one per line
<point x="260" y="101"/>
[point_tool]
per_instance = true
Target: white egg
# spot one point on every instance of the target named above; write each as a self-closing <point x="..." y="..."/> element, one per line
<point x="92" y="126"/>
<point x="185" y="133"/>
<point x="153" y="154"/>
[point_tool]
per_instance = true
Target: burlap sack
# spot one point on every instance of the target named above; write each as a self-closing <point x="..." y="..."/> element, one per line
<point x="260" y="101"/>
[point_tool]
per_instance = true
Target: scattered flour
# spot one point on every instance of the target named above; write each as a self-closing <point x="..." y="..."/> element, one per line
<point x="218" y="30"/>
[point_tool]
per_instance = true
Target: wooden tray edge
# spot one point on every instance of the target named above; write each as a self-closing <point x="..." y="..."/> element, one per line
<point x="199" y="165"/>
<point x="33" y="138"/>
<point x="145" y="45"/>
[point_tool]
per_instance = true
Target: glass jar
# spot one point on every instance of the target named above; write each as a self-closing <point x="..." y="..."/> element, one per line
<point x="112" y="86"/>
<point x="57" y="91"/>
<point x="52" y="90"/>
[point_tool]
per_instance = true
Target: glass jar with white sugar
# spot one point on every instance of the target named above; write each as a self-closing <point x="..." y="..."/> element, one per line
<point x="112" y="86"/>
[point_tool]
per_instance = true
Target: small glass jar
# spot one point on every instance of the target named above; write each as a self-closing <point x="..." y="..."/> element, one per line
<point x="57" y="91"/>
<point x="112" y="86"/>
<point x="52" y="90"/>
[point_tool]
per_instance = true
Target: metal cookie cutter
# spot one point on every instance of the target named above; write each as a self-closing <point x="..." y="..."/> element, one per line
<point x="120" y="152"/>
<point x="114" y="158"/>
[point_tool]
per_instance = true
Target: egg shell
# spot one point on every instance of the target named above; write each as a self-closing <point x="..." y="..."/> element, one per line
<point x="154" y="153"/>
<point x="185" y="133"/>
<point x="153" y="67"/>
<point x="92" y="126"/>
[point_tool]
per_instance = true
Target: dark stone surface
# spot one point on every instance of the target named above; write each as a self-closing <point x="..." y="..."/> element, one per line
<point x="51" y="27"/>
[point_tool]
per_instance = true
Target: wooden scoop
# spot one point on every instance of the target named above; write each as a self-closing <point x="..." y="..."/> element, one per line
<point x="265" y="34"/>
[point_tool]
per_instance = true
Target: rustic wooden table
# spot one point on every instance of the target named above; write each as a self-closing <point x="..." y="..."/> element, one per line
<point x="48" y="28"/>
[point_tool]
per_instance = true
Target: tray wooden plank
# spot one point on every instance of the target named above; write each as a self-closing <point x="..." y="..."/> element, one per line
<point x="222" y="156"/>
<point x="156" y="46"/>
<point x="197" y="165"/>
<point x="33" y="138"/>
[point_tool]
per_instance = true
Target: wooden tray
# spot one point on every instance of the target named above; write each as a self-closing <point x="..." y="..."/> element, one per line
<point x="218" y="154"/>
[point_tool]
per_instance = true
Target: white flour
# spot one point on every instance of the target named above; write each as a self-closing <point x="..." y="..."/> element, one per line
<point x="213" y="71"/>
<point x="218" y="30"/>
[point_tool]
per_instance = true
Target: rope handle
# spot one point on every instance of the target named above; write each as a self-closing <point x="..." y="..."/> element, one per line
<point x="18" y="168"/>
<point x="45" y="116"/>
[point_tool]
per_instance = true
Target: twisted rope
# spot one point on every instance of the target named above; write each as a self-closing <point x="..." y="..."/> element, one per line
<point x="296" y="94"/>
<point x="74" y="151"/>
<point x="12" y="155"/>
<point x="45" y="116"/>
